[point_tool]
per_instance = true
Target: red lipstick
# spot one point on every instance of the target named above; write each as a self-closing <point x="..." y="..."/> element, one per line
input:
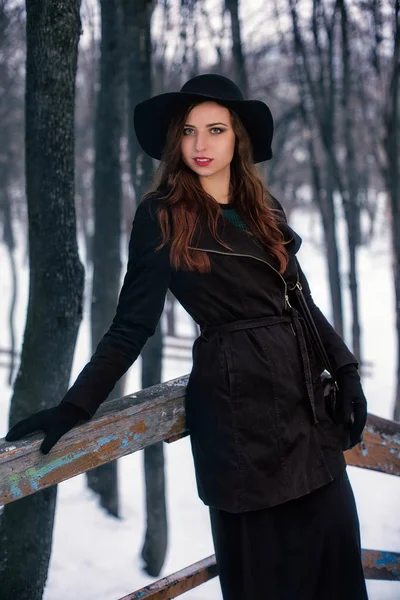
<point x="202" y="161"/>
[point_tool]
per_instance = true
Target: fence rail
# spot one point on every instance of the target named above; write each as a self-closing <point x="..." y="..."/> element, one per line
<point x="128" y="424"/>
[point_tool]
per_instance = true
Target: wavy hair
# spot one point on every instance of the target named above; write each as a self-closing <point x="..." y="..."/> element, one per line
<point x="185" y="201"/>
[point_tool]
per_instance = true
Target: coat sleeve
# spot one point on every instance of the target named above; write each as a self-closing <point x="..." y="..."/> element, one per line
<point x="336" y="349"/>
<point x="138" y="311"/>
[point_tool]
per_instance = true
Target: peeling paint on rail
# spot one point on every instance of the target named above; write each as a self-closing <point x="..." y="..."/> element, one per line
<point x="120" y="427"/>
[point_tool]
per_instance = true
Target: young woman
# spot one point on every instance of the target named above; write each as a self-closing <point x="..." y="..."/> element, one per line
<point x="268" y="457"/>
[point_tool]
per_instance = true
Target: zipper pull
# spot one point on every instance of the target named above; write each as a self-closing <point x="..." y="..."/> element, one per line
<point x="287" y="301"/>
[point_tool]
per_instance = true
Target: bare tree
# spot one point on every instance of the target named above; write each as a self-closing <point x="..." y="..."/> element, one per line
<point x="237" y="47"/>
<point x="107" y="213"/>
<point x="318" y="94"/>
<point x="12" y="39"/>
<point x="138" y="15"/>
<point x="86" y="86"/>
<point x="351" y="178"/>
<point x="56" y="275"/>
<point x="391" y="151"/>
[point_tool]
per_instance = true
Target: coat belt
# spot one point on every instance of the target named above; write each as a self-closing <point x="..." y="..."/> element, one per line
<point x="293" y="318"/>
<point x="210" y="330"/>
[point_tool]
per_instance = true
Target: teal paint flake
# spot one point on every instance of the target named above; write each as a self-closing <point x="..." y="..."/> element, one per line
<point x="141" y="594"/>
<point x="15" y="490"/>
<point x="33" y="475"/>
<point x="106" y="440"/>
<point x="57" y="463"/>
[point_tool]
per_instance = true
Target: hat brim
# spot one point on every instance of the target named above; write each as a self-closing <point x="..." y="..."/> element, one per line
<point x="152" y="118"/>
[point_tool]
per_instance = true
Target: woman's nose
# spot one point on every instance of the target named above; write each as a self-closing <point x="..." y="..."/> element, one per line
<point x="200" y="143"/>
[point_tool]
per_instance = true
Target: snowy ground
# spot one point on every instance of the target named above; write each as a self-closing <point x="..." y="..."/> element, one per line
<point x="97" y="556"/>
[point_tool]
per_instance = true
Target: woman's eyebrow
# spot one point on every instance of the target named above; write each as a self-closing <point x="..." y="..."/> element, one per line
<point x="209" y="125"/>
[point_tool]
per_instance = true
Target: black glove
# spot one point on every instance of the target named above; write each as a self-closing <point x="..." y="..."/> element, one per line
<point x="55" y="422"/>
<point x="351" y="402"/>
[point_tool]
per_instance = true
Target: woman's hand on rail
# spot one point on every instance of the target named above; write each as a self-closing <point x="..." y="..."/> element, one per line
<point x="55" y="422"/>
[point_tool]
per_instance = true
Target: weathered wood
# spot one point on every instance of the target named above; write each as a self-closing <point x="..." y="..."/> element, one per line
<point x="380" y="449"/>
<point x="178" y="583"/>
<point x="120" y="427"/>
<point x="128" y="424"/>
<point x="378" y="564"/>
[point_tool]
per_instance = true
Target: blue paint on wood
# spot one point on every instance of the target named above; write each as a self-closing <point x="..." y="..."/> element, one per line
<point x="387" y="559"/>
<point x="15" y="490"/>
<point x="57" y="463"/>
<point x="32" y="475"/>
<point x="106" y="440"/>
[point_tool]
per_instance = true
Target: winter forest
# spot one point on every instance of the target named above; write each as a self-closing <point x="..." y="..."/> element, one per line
<point x="71" y="176"/>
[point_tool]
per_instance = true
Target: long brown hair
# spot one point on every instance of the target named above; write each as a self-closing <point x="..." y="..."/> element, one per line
<point x="186" y="201"/>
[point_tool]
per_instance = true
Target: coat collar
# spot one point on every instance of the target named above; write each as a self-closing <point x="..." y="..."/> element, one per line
<point x="238" y="240"/>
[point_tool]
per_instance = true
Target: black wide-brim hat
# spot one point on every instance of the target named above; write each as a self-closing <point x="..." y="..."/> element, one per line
<point x="152" y="117"/>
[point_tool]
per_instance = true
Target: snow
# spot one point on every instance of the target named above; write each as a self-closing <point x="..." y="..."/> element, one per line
<point x="97" y="556"/>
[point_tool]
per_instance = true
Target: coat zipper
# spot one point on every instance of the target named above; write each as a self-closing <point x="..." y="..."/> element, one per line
<point x="287" y="303"/>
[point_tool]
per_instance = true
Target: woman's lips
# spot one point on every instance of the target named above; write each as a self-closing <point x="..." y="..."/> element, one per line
<point x="203" y="163"/>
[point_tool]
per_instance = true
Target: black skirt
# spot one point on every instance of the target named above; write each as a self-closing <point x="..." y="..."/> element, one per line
<point x="305" y="549"/>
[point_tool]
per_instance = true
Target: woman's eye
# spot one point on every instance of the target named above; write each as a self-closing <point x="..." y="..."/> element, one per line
<point x="189" y="130"/>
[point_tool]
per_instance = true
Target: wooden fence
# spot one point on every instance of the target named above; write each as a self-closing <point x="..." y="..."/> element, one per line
<point x="128" y="424"/>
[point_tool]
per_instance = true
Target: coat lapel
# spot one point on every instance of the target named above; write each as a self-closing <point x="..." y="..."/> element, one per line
<point x="238" y="240"/>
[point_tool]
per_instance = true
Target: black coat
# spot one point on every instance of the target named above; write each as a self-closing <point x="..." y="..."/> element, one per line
<point x="256" y="441"/>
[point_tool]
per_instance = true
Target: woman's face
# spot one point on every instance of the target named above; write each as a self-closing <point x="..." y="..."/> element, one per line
<point x="208" y="134"/>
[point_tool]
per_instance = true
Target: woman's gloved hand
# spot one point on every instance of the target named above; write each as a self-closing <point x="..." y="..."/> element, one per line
<point x="351" y="401"/>
<point x="55" y="422"/>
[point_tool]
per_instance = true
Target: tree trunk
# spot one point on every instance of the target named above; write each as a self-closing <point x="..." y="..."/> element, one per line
<point x="352" y="219"/>
<point x="56" y="275"/>
<point x="392" y="177"/>
<point x="322" y="170"/>
<point x="139" y="51"/>
<point x="237" y="47"/>
<point x="170" y="314"/>
<point x="350" y="200"/>
<point x="8" y="236"/>
<point x="12" y="25"/>
<point x="9" y="241"/>
<point x="156" y="537"/>
<point x="320" y="89"/>
<point x="107" y="213"/>
<point x="328" y="216"/>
